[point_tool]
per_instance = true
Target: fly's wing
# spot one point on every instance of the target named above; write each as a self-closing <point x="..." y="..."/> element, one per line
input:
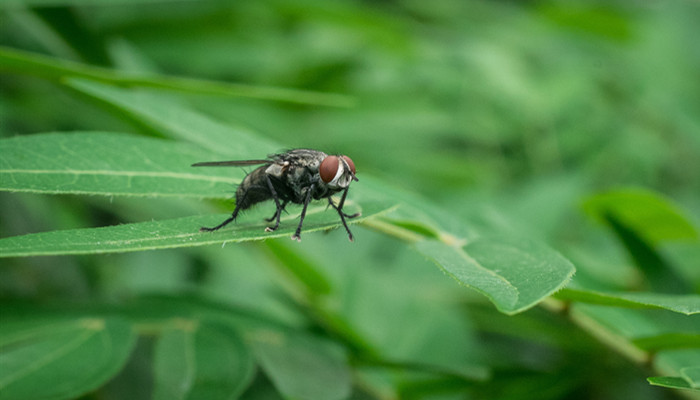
<point x="238" y="163"/>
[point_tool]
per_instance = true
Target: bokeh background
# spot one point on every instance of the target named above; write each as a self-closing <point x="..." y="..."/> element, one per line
<point x="508" y="114"/>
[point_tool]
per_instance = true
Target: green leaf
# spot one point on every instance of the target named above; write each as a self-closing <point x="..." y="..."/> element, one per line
<point x="680" y="340"/>
<point x="683" y="256"/>
<point x="638" y="323"/>
<point x="630" y="330"/>
<point x="302" y="367"/>
<point x="109" y="164"/>
<point x="642" y="220"/>
<point x="201" y="360"/>
<point x="692" y="376"/>
<point x="26" y="63"/>
<point x="679" y="362"/>
<point x="58" y="3"/>
<point x="687" y="304"/>
<point x="671" y="382"/>
<point x="60" y="358"/>
<point x="305" y="271"/>
<point x="104" y="163"/>
<point x="165" y="115"/>
<point x="651" y="216"/>
<point x="515" y="274"/>
<point x="658" y="272"/>
<point x="181" y="232"/>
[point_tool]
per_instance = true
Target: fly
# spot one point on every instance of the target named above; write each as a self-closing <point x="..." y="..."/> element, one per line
<point x="296" y="176"/>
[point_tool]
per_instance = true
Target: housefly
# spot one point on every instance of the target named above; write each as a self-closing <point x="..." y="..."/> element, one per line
<point x="296" y="176"/>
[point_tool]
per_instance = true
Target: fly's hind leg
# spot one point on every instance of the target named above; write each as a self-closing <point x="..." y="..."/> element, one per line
<point x="240" y="204"/>
<point x="279" y="211"/>
<point x="221" y="225"/>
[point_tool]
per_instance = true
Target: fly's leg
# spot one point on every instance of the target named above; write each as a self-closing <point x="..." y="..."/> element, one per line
<point x="233" y="216"/>
<point x="272" y="218"/>
<point x="297" y="234"/>
<point x="343" y="215"/>
<point x="278" y="212"/>
<point x="339" y="207"/>
<point x="221" y="225"/>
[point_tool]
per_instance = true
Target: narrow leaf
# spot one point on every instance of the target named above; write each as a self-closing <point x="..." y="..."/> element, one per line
<point x="653" y="217"/>
<point x="643" y="220"/>
<point x="201" y="360"/>
<point x="631" y="330"/>
<point x="658" y="272"/>
<point x="680" y="340"/>
<point x="166" y="115"/>
<point x="671" y="382"/>
<point x="514" y="274"/>
<point x="58" y="3"/>
<point x="688" y="304"/>
<point x="181" y="232"/>
<point x="302" y="367"/>
<point x="109" y="164"/>
<point x="26" y="63"/>
<point x="61" y="359"/>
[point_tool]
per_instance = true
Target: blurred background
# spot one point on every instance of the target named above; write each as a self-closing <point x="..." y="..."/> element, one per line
<point x="508" y="114"/>
<point x="489" y="96"/>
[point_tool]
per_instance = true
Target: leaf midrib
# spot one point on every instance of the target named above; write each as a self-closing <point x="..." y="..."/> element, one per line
<point x="111" y="172"/>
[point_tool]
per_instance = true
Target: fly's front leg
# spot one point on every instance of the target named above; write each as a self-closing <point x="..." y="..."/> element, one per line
<point x="297" y="234"/>
<point x="278" y="211"/>
<point x="339" y="208"/>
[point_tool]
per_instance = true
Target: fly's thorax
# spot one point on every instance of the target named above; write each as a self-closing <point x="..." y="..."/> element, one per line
<point x="277" y="169"/>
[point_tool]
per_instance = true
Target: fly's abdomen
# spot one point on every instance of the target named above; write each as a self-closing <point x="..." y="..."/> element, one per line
<point x="254" y="189"/>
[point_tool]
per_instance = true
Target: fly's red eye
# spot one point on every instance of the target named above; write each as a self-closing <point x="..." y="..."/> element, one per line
<point x="350" y="164"/>
<point x="329" y="167"/>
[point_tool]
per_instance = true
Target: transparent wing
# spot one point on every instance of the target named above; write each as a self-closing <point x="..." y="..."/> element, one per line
<point x="238" y="163"/>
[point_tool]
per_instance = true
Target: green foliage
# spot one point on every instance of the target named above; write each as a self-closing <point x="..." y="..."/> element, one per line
<point x="544" y="156"/>
<point x="302" y="368"/>
<point x="59" y="358"/>
<point x="87" y="163"/>
<point x="194" y="360"/>
<point x="514" y="276"/>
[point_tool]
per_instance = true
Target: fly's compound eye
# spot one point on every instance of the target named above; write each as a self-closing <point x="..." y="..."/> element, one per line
<point x="350" y="164"/>
<point x="329" y="168"/>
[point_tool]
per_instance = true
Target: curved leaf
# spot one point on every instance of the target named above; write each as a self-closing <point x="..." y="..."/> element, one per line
<point x="515" y="274"/>
<point x="648" y="214"/>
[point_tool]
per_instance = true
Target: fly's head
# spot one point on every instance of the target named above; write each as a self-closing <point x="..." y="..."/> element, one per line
<point x="337" y="171"/>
